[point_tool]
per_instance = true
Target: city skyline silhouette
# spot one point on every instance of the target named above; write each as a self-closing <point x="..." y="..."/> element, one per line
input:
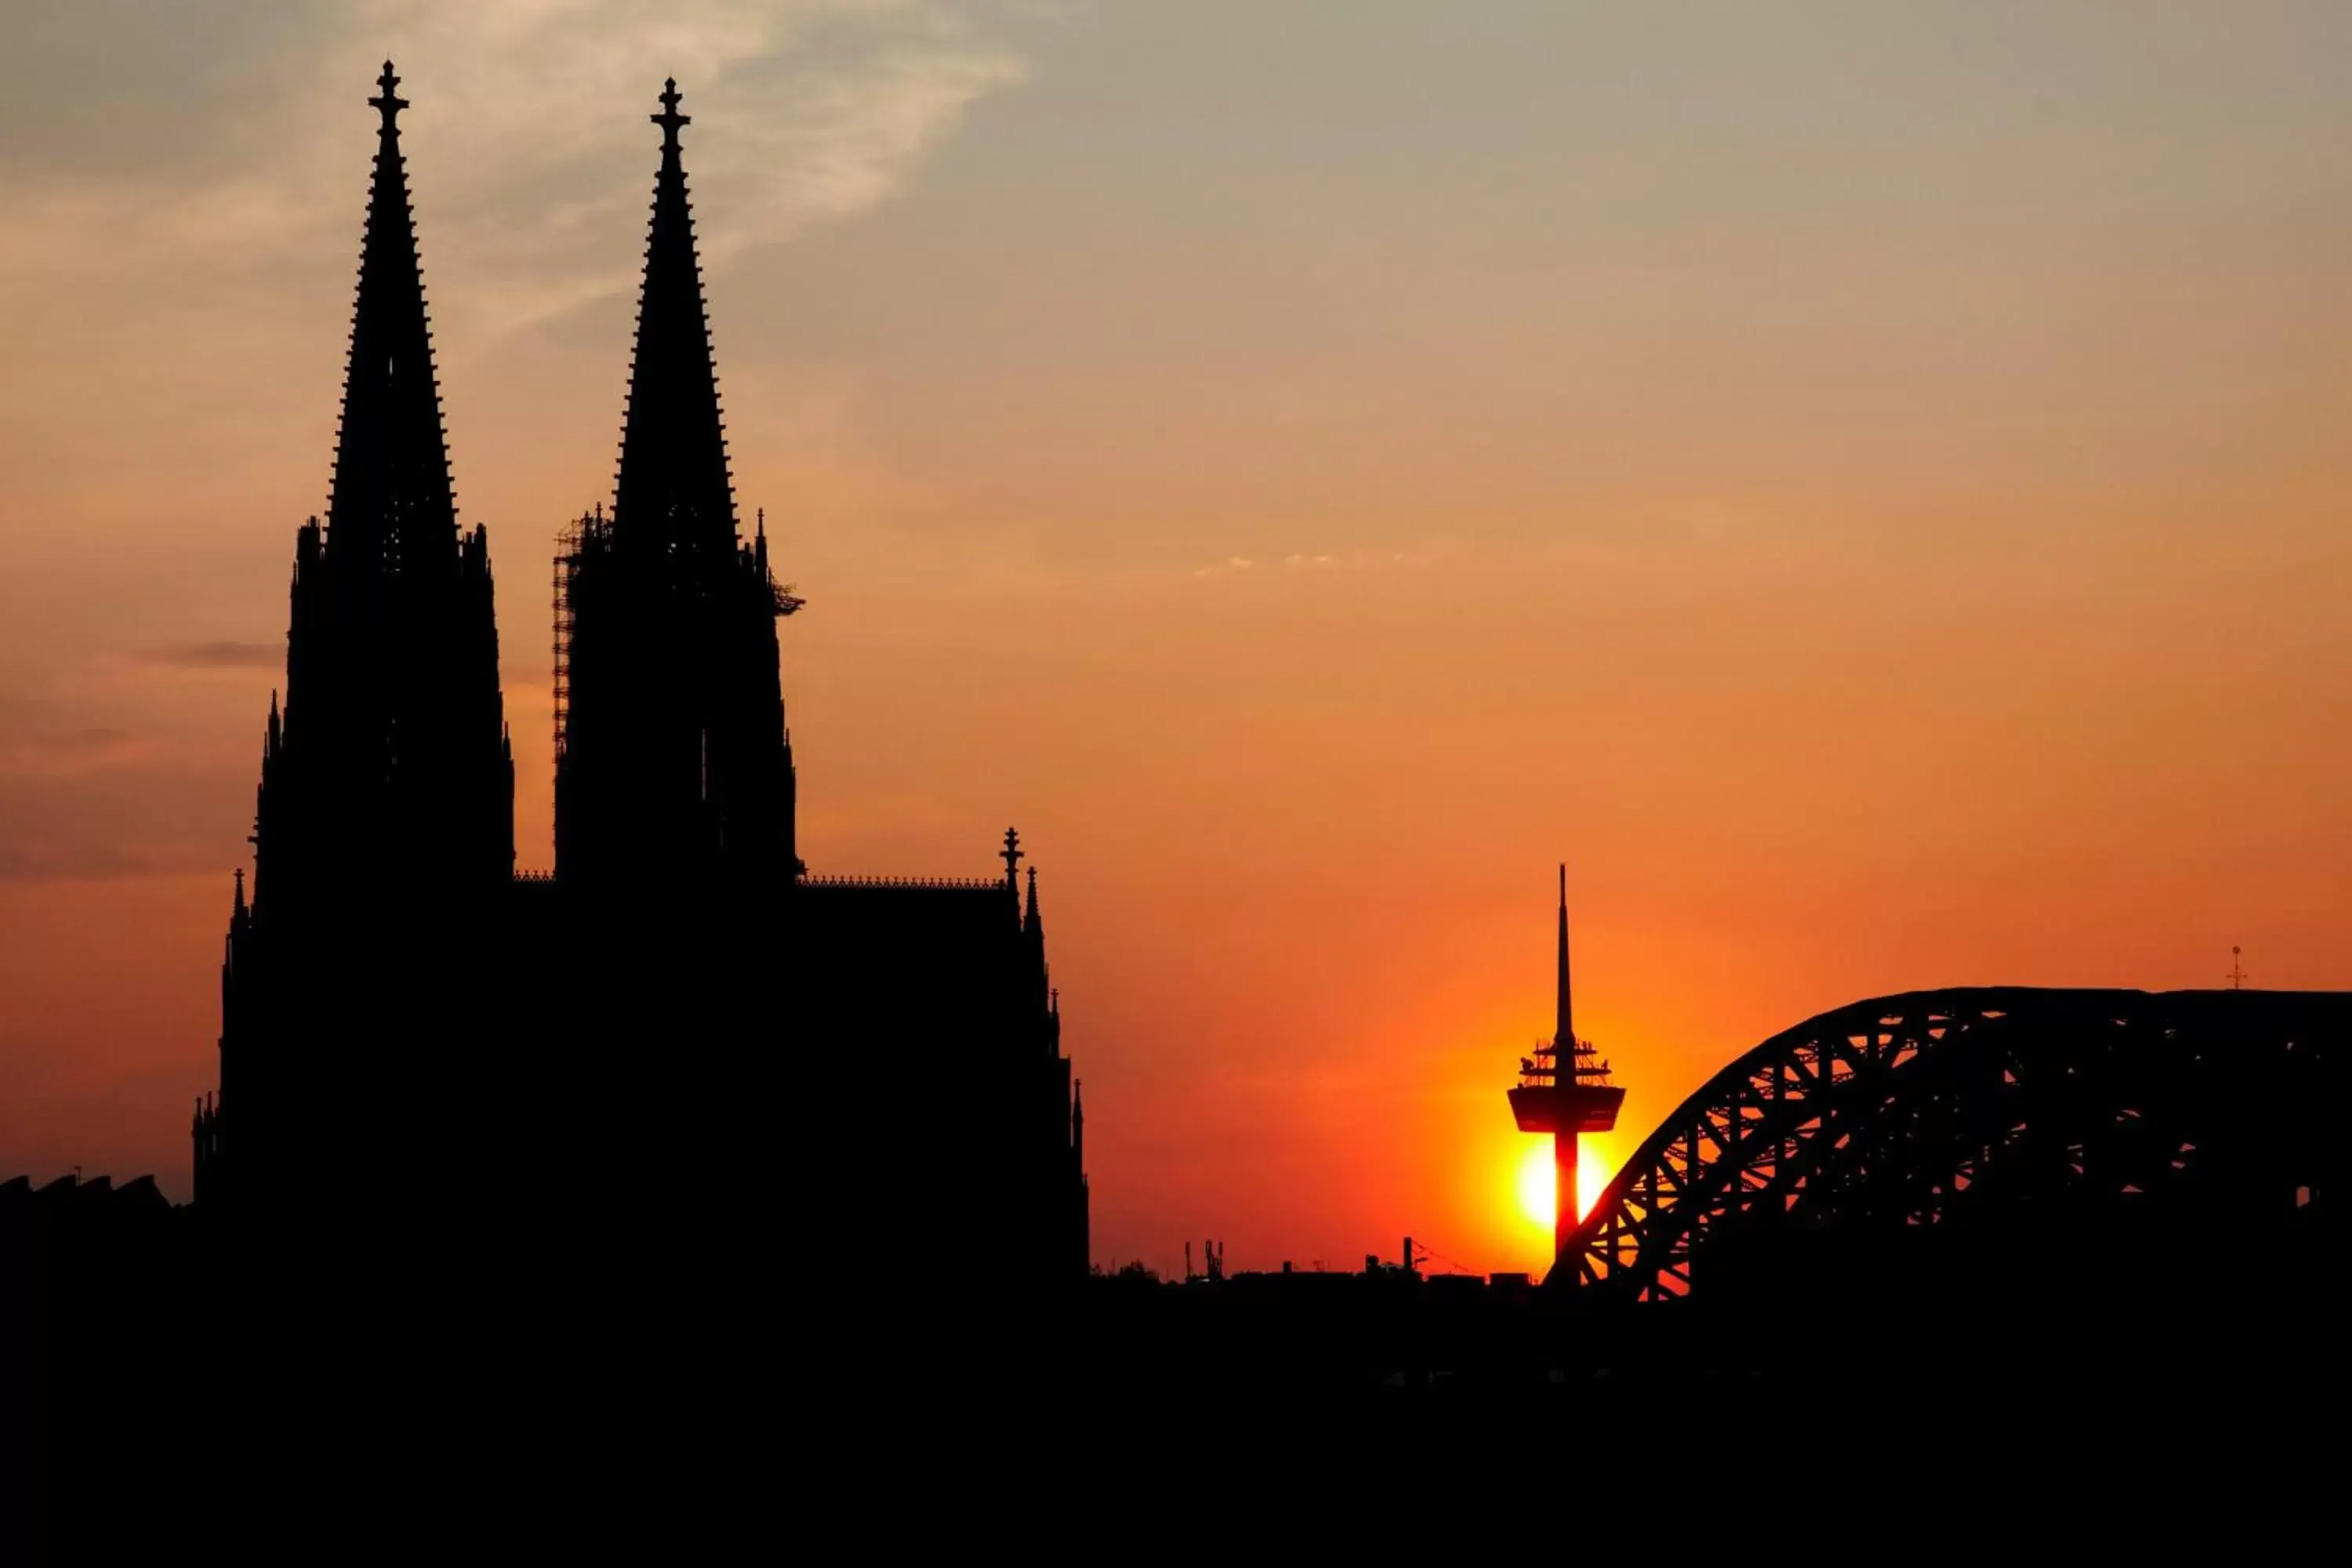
<point x="524" y="1024"/>
<point x="1478" y="516"/>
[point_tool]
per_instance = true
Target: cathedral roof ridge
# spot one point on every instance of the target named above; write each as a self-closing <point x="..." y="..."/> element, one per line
<point x="936" y="884"/>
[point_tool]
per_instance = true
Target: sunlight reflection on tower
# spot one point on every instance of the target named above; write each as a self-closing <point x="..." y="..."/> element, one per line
<point x="1534" y="1183"/>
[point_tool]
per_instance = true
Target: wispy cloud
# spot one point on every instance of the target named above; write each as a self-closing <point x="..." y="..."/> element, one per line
<point x="214" y="656"/>
<point x="85" y="795"/>
<point x="1318" y="561"/>
<point x="533" y="120"/>
<point x="527" y="140"/>
<point x="43" y="752"/>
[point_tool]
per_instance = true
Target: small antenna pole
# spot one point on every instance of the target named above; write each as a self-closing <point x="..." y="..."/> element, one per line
<point x="2237" y="976"/>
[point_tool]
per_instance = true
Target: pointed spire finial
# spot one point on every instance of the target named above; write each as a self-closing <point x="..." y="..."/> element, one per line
<point x="673" y="491"/>
<point x="388" y="101"/>
<point x="669" y="119"/>
<point x="1011" y="857"/>
<point x="391" y="509"/>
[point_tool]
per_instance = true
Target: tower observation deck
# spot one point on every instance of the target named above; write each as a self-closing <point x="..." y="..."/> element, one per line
<point x="1564" y="1089"/>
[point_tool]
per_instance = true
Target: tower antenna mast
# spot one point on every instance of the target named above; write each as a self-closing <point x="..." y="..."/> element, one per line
<point x="1564" y="1089"/>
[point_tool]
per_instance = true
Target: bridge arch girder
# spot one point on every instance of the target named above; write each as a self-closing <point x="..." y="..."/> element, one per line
<point x="1978" y="1107"/>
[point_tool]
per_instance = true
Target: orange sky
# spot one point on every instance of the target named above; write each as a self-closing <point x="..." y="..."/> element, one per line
<point x="1871" y="496"/>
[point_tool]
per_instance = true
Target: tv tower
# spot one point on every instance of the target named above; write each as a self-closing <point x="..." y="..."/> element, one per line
<point x="1564" y="1089"/>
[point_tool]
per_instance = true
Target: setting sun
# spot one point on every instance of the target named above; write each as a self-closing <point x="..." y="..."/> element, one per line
<point x="1537" y="1201"/>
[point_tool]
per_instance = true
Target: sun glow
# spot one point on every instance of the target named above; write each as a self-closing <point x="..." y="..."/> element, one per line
<point x="1537" y="1201"/>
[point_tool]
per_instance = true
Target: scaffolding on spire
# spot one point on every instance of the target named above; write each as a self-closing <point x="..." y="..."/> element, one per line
<point x="672" y="761"/>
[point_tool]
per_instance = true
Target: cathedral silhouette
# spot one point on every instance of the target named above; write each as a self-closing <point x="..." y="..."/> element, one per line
<point x="433" y="1068"/>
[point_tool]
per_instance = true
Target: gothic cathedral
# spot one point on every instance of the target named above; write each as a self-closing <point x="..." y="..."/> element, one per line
<point x="681" y="1042"/>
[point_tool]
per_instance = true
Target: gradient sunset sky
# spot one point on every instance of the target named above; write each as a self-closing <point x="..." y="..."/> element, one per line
<point x="1868" y="485"/>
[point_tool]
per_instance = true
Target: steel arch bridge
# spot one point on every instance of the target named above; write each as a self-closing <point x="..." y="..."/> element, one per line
<point x="1986" y="1107"/>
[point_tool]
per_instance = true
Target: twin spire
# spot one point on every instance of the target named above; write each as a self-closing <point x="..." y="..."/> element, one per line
<point x="673" y="493"/>
<point x="391" y="507"/>
<point x="392" y="499"/>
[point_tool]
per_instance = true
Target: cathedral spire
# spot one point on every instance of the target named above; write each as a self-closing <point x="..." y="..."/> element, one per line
<point x="673" y="491"/>
<point x="391" y="507"/>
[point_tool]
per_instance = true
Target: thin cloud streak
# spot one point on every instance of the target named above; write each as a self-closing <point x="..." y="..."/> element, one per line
<point x="37" y="752"/>
<point x="215" y="656"/>
<point x="527" y="145"/>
